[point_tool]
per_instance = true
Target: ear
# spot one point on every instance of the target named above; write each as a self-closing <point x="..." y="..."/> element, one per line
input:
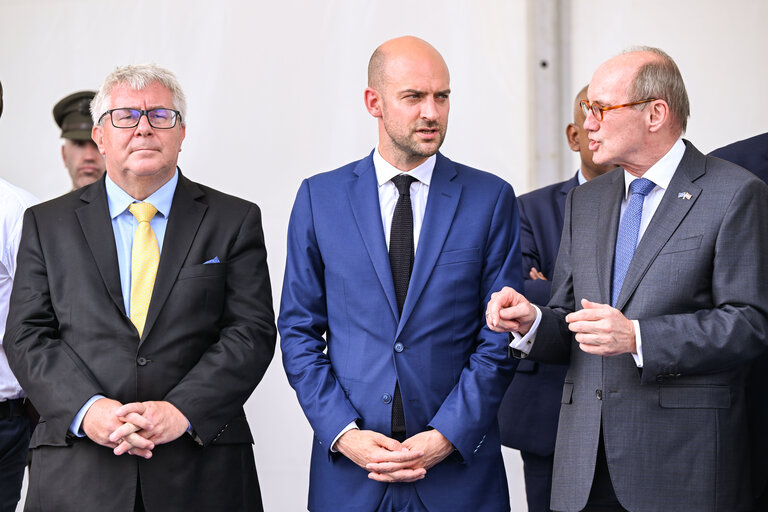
<point x="373" y="101"/>
<point x="64" y="153"/>
<point x="572" y="134"/>
<point x="658" y="115"/>
<point x="97" y="134"/>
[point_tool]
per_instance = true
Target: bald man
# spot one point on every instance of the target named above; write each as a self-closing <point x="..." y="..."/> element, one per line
<point x="529" y="410"/>
<point x="390" y="262"/>
<point x="658" y="306"/>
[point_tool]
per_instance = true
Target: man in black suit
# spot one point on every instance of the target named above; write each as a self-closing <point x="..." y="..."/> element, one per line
<point x="752" y="154"/>
<point x="141" y="335"/>
<point x="528" y="413"/>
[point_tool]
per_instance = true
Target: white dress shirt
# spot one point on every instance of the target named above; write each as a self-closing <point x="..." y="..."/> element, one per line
<point x="661" y="174"/>
<point x="13" y="202"/>
<point x="388" y="195"/>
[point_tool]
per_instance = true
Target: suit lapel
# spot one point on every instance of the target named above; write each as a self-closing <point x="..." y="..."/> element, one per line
<point x="364" y="199"/>
<point x="442" y="201"/>
<point x="97" y="227"/>
<point x="566" y="187"/>
<point x="185" y="217"/>
<point x="668" y="216"/>
<point x="609" y="198"/>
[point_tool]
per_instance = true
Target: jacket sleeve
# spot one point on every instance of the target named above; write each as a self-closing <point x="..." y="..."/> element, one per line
<point x="469" y="410"/>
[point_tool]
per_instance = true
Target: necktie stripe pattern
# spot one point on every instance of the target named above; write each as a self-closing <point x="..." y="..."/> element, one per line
<point x="401" y="256"/>
<point x="145" y="256"/>
<point x="629" y="228"/>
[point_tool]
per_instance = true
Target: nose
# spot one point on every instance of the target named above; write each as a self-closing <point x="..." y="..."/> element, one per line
<point x="143" y="128"/>
<point x="591" y="123"/>
<point x="429" y="109"/>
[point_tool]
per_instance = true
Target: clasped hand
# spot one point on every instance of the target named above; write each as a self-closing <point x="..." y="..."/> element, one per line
<point x="134" y="428"/>
<point x="388" y="460"/>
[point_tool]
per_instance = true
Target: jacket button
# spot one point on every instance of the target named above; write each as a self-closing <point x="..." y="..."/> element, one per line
<point x="599" y="394"/>
<point x="399" y="347"/>
<point x="141" y="361"/>
<point x="386" y="398"/>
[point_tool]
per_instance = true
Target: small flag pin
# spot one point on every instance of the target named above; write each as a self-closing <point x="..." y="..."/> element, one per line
<point x="683" y="195"/>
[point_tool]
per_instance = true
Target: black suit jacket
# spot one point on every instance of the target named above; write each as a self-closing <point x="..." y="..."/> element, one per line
<point x="531" y="405"/>
<point x="207" y="342"/>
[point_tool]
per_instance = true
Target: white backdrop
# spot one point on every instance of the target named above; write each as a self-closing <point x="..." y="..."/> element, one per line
<point x="275" y="94"/>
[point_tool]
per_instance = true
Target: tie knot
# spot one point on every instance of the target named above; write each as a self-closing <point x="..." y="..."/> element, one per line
<point x="403" y="183"/>
<point x="642" y="186"/>
<point x="142" y="211"/>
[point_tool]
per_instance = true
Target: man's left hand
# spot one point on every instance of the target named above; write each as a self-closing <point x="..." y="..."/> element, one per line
<point x="431" y="443"/>
<point x="602" y="330"/>
<point x="159" y="422"/>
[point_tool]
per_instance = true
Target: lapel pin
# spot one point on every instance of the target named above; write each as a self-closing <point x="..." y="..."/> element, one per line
<point x="684" y="195"/>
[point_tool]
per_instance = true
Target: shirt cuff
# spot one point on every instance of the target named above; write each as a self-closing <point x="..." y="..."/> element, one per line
<point x="76" y="426"/>
<point x="638" y="345"/>
<point x="352" y="425"/>
<point x="525" y="343"/>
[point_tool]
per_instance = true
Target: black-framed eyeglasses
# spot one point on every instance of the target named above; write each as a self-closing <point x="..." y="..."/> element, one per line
<point x="159" y="118"/>
<point x="597" y="109"/>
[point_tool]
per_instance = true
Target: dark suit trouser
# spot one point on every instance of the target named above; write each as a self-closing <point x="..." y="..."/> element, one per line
<point x="14" y="450"/>
<point x="538" y="480"/>
<point x="602" y="497"/>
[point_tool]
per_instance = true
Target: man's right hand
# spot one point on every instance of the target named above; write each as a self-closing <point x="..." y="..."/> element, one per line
<point x="534" y="274"/>
<point x="509" y="311"/>
<point x="366" y="446"/>
<point x="100" y="421"/>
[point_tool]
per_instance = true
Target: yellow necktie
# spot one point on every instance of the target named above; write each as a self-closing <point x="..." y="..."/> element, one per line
<point x="145" y="257"/>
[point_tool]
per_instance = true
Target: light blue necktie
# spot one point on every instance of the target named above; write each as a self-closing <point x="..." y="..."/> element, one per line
<point x="629" y="227"/>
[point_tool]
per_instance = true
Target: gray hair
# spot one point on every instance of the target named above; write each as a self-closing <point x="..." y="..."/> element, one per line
<point x="661" y="79"/>
<point x="138" y="77"/>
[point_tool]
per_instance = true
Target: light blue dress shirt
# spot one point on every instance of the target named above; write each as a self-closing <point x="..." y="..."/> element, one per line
<point x="124" y="225"/>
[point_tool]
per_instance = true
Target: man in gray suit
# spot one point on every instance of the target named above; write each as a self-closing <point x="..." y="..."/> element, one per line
<point x="659" y="303"/>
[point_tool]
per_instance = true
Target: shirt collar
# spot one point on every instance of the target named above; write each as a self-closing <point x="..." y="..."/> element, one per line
<point x="580" y="177"/>
<point x="386" y="171"/>
<point x="119" y="200"/>
<point x="662" y="171"/>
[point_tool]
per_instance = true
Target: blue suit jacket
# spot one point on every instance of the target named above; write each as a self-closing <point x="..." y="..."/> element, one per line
<point x="752" y="154"/>
<point x="344" y="344"/>
<point x="531" y="405"/>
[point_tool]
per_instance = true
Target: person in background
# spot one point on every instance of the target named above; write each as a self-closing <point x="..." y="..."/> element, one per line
<point x="80" y="155"/>
<point x="531" y="405"/>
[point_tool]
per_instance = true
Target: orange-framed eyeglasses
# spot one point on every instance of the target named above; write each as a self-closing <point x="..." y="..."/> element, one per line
<point x="598" y="110"/>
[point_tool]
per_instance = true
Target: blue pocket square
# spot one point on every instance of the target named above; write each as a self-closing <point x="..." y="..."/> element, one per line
<point x="214" y="260"/>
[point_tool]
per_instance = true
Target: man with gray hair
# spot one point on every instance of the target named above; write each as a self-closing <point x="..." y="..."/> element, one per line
<point x="141" y="320"/>
<point x="658" y="306"/>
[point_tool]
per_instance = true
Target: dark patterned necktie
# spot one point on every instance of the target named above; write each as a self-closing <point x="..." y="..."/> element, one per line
<point x="401" y="262"/>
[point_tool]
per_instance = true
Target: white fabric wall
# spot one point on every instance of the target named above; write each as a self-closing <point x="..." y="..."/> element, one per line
<point x="275" y="94"/>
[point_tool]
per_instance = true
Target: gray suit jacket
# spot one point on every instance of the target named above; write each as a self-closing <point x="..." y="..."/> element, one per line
<point x="675" y="432"/>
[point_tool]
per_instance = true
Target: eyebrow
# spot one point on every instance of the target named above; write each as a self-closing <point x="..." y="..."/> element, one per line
<point x="421" y="93"/>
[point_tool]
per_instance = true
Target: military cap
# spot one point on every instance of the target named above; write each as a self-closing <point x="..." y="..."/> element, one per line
<point x="73" y="115"/>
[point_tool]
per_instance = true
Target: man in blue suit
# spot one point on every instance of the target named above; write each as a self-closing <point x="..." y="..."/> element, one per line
<point x="531" y="405"/>
<point x="752" y="154"/>
<point x="391" y="260"/>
